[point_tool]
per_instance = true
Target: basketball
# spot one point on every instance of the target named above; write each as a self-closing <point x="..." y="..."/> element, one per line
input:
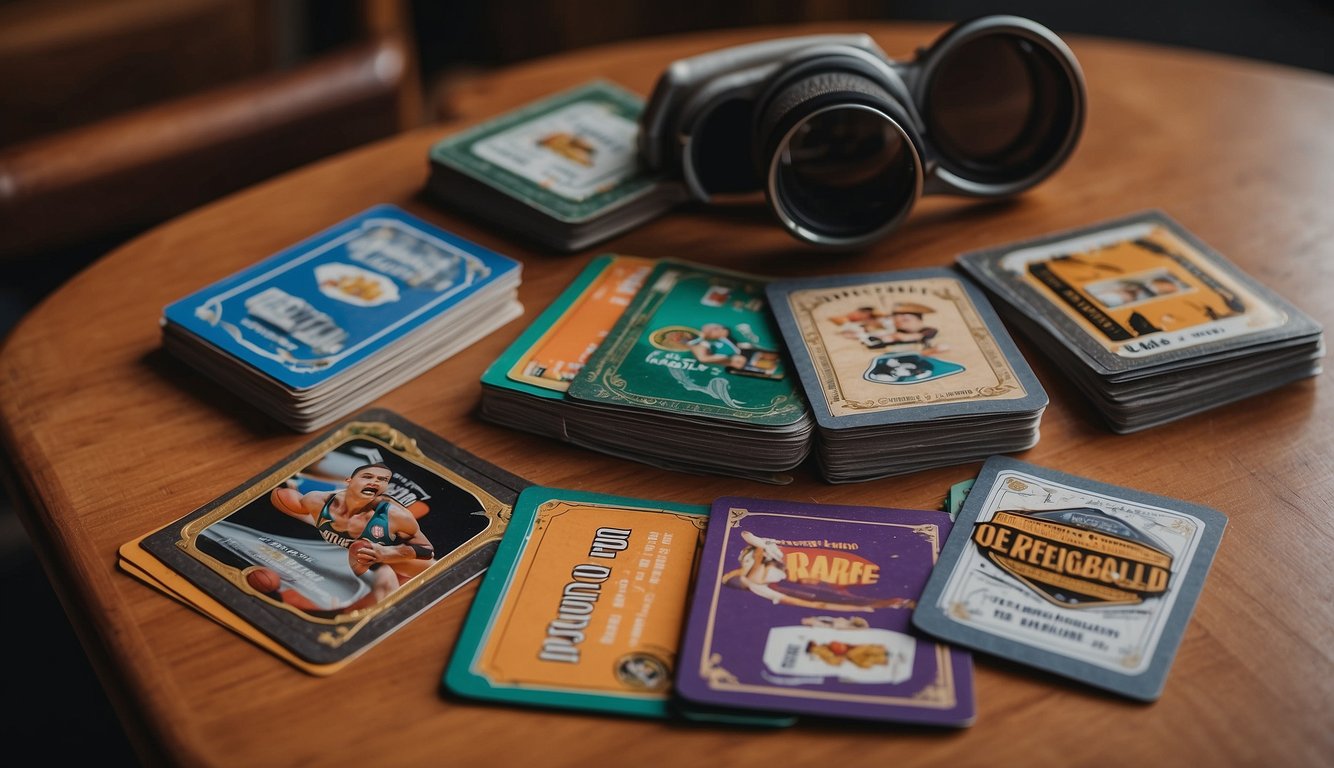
<point x="358" y="567"/>
<point x="263" y="579"/>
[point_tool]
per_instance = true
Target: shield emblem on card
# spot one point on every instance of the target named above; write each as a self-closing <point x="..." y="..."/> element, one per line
<point x="908" y="368"/>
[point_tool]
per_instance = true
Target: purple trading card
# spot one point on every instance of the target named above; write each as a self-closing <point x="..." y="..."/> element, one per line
<point x="807" y="608"/>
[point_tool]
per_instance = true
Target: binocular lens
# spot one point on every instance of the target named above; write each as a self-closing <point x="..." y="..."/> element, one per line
<point x="845" y="172"/>
<point x="1000" y="108"/>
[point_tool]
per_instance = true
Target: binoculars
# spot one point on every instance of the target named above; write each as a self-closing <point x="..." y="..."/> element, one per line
<point x="843" y="140"/>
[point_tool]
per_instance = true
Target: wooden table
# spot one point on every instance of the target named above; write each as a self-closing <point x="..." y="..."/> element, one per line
<point x="110" y="437"/>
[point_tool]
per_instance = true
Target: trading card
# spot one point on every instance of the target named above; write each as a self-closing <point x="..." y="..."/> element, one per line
<point x="321" y="307"/>
<point x="1080" y="578"/>
<point x="805" y="608"/>
<point x="344" y="541"/>
<point x="958" y="493"/>
<point x="695" y="341"/>
<point x="556" y="346"/>
<point x="571" y="156"/>
<point x="147" y="569"/>
<point x="900" y="346"/>
<point x="1135" y="291"/>
<point x="583" y="605"/>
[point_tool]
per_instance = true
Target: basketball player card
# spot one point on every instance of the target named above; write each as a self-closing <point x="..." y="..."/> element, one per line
<point x="1079" y="578"/>
<point x="322" y="555"/>
<point x="805" y="608"/>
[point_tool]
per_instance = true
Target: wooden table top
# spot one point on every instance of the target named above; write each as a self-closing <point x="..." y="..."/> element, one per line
<point x="111" y="437"/>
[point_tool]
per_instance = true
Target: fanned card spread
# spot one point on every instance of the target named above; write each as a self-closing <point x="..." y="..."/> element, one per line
<point x="583" y="608"/>
<point x="525" y="387"/>
<point x="666" y="362"/>
<point x="322" y="555"/>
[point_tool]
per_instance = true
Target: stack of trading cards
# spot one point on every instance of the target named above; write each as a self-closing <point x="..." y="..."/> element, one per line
<point x="906" y="371"/>
<point x="564" y="171"/>
<point x="1150" y="323"/>
<point x="665" y="362"/>
<point x="583" y="606"/>
<point x="692" y="377"/>
<point x="806" y="609"/>
<point x="525" y="387"/>
<point x="321" y="556"/>
<point x="328" y="325"/>
<point x="1073" y="576"/>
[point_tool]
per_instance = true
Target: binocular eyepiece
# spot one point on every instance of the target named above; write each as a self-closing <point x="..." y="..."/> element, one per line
<point x="844" y="140"/>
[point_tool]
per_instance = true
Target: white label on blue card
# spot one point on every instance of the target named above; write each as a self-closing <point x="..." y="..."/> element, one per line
<point x="312" y="311"/>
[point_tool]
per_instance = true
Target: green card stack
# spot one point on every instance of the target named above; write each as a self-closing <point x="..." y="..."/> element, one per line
<point x="691" y="376"/>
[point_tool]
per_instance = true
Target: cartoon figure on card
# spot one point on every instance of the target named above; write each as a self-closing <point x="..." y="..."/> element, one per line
<point x="714" y="345"/>
<point x="703" y="360"/>
<point x="904" y="324"/>
<point x="764" y="571"/>
<point x="904" y="330"/>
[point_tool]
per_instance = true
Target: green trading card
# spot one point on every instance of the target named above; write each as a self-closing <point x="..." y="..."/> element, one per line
<point x="572" y="155"/>
<point x="699" y="342"/>
<point x="958" y="492"/>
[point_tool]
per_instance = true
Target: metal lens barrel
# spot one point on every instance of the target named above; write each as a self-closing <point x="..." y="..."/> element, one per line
<point x="1003" y="105"/>
<point x="842" y="168"/>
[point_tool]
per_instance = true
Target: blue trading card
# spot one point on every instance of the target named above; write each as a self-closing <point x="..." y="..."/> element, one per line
<point x="320" y="307"/>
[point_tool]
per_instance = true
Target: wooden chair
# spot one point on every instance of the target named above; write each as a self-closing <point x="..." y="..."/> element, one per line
<point x="122" y="174"/>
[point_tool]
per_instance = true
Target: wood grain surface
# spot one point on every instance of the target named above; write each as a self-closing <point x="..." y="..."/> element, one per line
<point x="110" y="438"/>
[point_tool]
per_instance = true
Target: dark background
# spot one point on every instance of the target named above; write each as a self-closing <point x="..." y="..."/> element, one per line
<point x="1294" y="32"/>
<point x="66" y="63"/>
